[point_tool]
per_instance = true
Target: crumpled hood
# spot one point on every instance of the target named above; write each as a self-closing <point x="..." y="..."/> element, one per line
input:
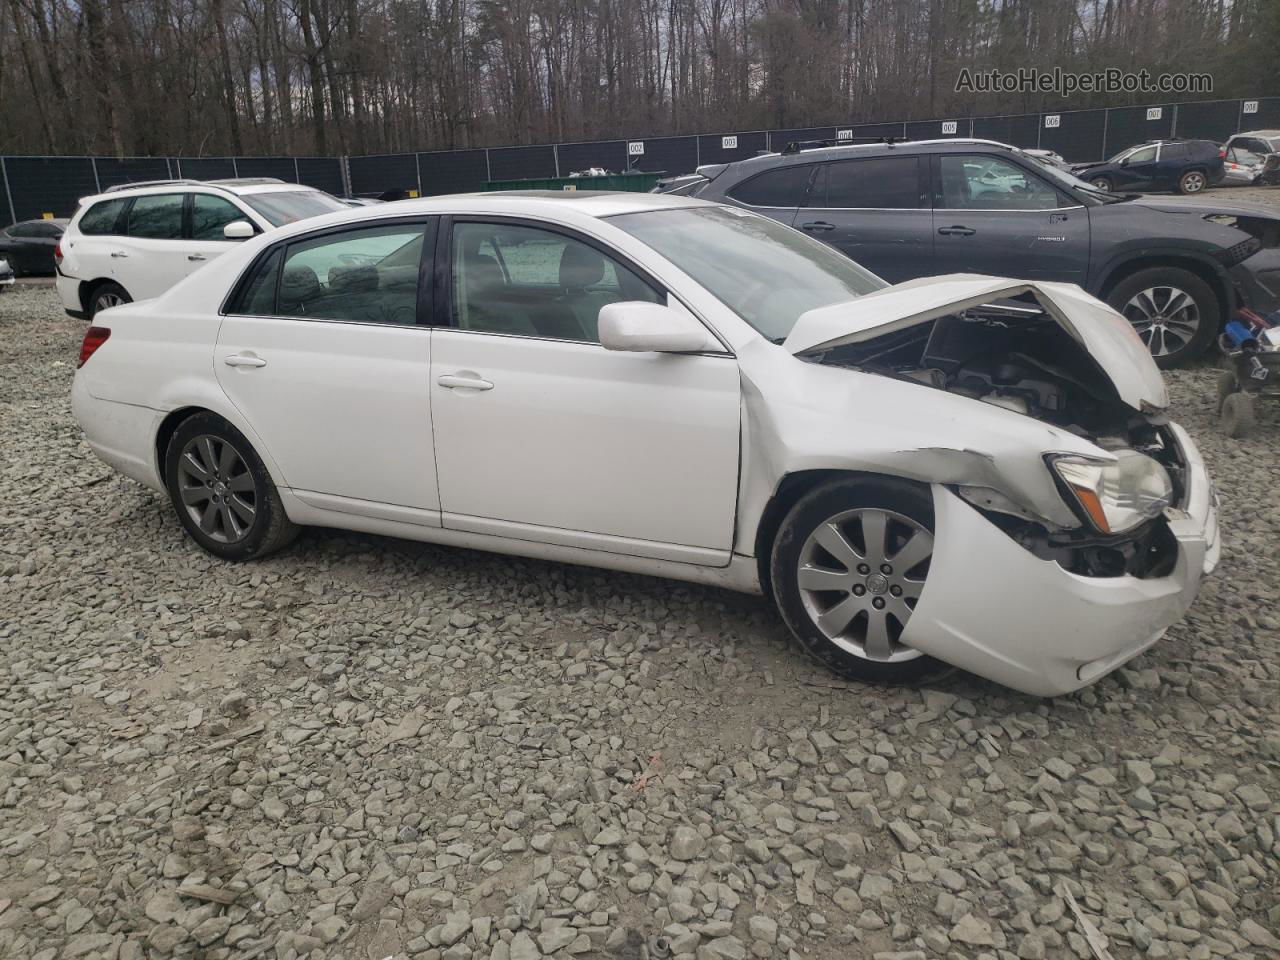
<point x="1107" y="336"/>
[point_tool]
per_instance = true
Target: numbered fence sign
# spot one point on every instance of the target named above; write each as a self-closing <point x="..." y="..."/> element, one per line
<point x="1155" y="113"/>
<point x="635" y="148"/>
<point x="1251" y="106"/>
<point x="1053" y="121"/>
<point x="846" y="134"/>
<point x="948" y="126"/>
<point x="728" y="143"/>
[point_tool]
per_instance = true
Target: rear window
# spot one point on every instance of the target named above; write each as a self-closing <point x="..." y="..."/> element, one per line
<point x="101" y="218"/>
<point x="1175" y="151"/>
<point x="784" y="187"/>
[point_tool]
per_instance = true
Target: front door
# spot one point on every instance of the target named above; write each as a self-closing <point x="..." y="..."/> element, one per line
<point x="543" y="434"/>
<point x="323" y="355"/>
<point x="1139" y="170"/>
<point x="876" y="212"/>
<point x="993" y="216"/>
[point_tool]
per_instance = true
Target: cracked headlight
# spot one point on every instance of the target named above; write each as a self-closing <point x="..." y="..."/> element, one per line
<point x="1116" y="496"/>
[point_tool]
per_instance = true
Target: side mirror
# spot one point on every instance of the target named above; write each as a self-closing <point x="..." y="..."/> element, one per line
<point x="640" y="327"/>
<point x="238" y="230"/>
<point x="1124" y="162"/>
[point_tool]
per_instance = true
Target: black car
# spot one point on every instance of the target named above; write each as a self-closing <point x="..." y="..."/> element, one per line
<point x="28" y="246"/>
<point x="1187" y="166"/>
<point x="1176" y="268"/>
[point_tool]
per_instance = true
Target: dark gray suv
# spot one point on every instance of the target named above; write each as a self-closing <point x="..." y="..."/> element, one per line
<point x="1175" y="268"/>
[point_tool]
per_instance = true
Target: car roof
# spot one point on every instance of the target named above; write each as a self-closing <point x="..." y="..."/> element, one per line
<point x="879" y="148"/>
<point x="1257" y="133"/>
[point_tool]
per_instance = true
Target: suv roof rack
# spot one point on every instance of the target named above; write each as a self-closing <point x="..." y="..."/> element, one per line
<point x="244" y="181"/>
<point x="145" y="183"/>
<point x="796" y="146"/>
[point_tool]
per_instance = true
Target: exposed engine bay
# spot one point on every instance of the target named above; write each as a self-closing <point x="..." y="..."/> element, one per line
<point x="1016" y="357"/>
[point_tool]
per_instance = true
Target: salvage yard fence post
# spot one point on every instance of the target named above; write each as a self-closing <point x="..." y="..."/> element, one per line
<point x="52" y="186"/>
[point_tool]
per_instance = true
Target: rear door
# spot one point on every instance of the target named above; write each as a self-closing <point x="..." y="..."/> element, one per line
<point x="776" y="193"/>
<point x="322" y="352"/>
<point x="994" y="216"/>
<point x="876" y="212"/>
<point x="151" y="256"/>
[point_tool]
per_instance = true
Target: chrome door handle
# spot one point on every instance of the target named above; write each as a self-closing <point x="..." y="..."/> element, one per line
<point x="119" y="255"/>
<point x="957" y="231"/>
<point x="455" y="382"/>
<point x="817" y="226"/>
<point x="196" y="256"/>
<point x="242" y="360"/>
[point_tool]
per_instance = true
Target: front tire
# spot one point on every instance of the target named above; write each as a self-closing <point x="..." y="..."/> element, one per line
<point x="104" y="297"/>
<point x="848" y="566"/>
<point x="1174" y="312"/>
<point x="1102" y="183"/>
<point x="221" y="491"/>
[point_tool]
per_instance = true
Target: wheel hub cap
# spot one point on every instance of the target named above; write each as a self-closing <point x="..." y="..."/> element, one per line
<point x="1166" y="318"/>
<point x="860" y="574"/>
<point x="217" y="490"/>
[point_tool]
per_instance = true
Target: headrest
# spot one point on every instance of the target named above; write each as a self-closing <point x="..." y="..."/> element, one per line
<point x="580" y="266"/>
<point x="353" y="279"/>
<point x="299" y="284"/>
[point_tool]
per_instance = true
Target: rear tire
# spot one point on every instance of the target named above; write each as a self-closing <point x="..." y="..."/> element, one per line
<point x="1174" y="312"/>
<point x="104" y="297"/>
<point x="222" y="492"/>
<point x="848" y="606"/>
<point x="1192" y="182"/>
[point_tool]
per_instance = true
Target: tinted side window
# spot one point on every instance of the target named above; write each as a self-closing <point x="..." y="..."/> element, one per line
<point x="1174" y="151"/>
<point x="156" y="217"/>
<point x="988" y="183"/>
<point x="209" y="214"/>
<point x="877" y="182"/>
<point x="367" y="275"/>
<point x="536" y="283"/>
<point x="784" y="187"/>
<point x="101" y="217"/>
<point x="257" y="298"/>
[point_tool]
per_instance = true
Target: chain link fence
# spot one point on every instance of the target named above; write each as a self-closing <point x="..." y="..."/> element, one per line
<point x="51" y="186"/>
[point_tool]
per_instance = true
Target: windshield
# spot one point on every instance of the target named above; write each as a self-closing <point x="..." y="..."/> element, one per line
<point x="1075" y="183"/>
<point x="286" y="206"/>
<point x="764" y="272"/>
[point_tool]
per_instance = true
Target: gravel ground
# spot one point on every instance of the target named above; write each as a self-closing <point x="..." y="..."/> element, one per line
<point x="370" y="748"/>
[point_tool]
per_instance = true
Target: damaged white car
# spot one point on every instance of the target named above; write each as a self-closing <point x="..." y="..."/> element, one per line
<point x="963" y="469"/>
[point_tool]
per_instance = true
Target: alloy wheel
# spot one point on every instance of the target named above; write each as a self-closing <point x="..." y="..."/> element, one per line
<point x="1102" y="184"/>
<point x="860" y="574"/>
<point x="218" y="490"/>
<point x="105" y="301"/>
<point x="1193" y="182"/>
<point x="1166" y="318"/>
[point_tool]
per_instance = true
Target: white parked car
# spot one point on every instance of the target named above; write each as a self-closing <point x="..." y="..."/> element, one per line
<point x="135" y="242"/>
<point x="674" y="387"/>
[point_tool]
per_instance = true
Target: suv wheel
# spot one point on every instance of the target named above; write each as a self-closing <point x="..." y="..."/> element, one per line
<point x="1174" y="312"/>
<point x="1102" y="183"/>
<point x="1193" y="181"/>
<point x="848" y="566"/>
<point x="106" y="296"/>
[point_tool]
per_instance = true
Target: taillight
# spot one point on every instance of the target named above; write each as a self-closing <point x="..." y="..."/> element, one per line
<point x="57" y="253"/>
<point x="94" y="337"/>
<point x="1222" y="153"/>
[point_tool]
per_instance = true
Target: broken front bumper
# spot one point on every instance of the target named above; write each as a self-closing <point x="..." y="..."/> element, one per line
<point x="994" y="609"/>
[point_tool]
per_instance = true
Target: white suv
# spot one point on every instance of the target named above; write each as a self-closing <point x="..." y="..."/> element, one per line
<point x="135" y="241"/>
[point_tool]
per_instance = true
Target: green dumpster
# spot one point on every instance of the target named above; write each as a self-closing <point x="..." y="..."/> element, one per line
<point x="629" y="182"/>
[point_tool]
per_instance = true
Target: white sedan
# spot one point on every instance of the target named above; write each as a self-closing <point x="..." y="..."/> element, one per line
<point x="965" y="468"/>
